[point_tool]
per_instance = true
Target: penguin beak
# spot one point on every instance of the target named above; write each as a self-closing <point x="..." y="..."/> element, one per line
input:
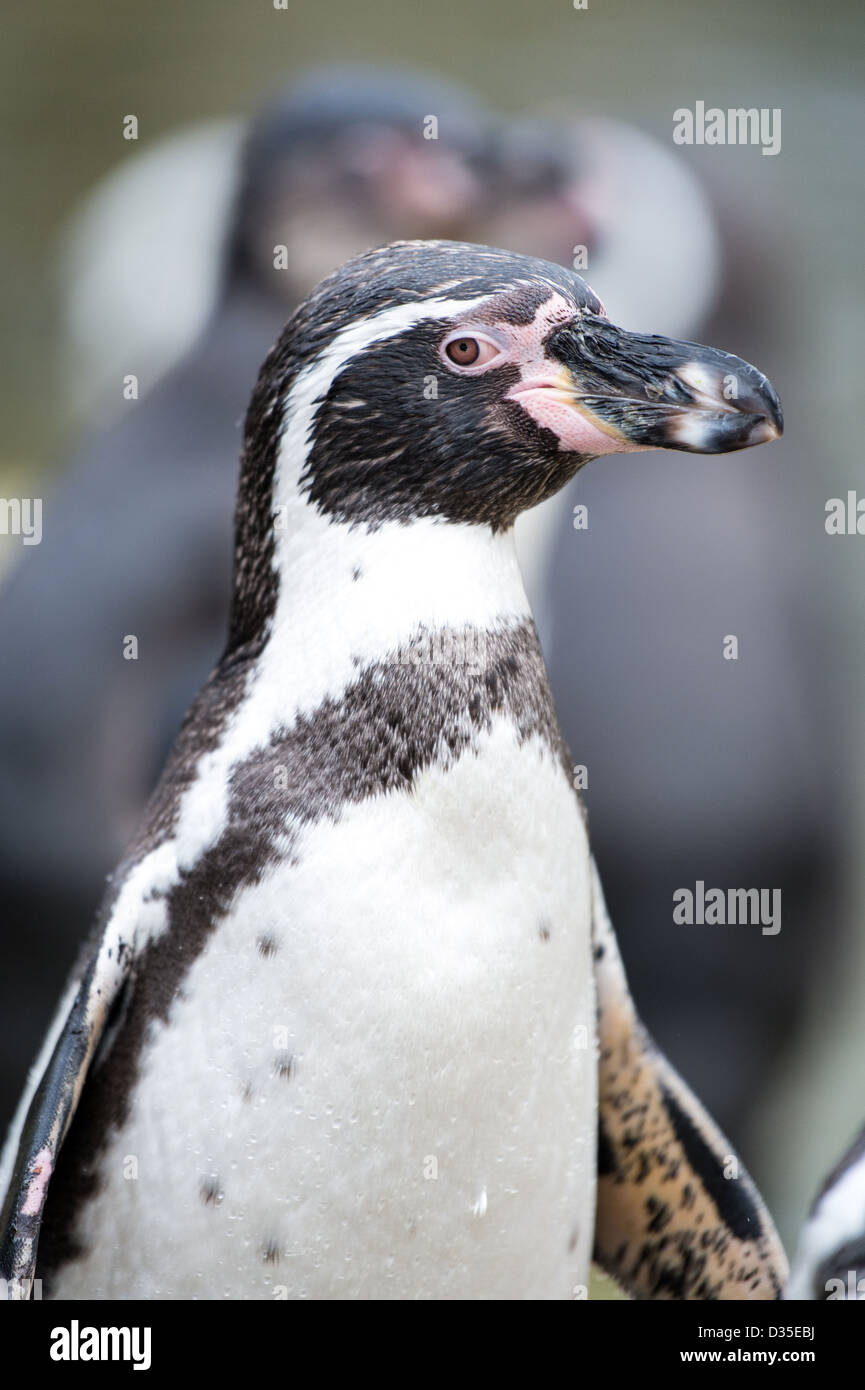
<point x="647" y="392"/>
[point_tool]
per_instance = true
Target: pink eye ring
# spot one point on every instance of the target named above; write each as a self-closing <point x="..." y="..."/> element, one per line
<point x="468" y="350"/>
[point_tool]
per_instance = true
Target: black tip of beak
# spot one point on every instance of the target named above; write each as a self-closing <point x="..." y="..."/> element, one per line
<point x="774" y="416"/>
<point x="731" y="405"/>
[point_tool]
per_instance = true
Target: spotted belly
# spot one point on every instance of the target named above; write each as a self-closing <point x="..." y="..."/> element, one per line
<point x="378" y="1078"/>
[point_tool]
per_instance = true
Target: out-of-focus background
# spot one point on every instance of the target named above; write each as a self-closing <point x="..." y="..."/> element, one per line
<point x="110" y="257"/>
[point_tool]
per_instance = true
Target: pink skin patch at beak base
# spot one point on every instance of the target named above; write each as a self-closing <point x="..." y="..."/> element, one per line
<point x="545" y="390"/>
<point x="550" y="404"/>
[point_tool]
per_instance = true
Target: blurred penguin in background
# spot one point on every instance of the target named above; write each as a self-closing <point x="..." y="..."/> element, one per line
<point x="120" y="614"/>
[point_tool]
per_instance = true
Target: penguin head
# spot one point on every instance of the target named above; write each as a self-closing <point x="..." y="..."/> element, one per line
<point x="341" y="161"/>
<point x="447" y="380"/>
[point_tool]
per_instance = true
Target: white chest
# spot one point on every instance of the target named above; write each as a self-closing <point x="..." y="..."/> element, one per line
<point x="380" y="1078"/>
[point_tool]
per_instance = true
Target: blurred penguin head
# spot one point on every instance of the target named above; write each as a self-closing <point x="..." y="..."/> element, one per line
<point x="353" y="157"/>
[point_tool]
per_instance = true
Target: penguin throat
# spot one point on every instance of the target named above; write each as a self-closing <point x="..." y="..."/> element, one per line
<point x="349" y="596"/>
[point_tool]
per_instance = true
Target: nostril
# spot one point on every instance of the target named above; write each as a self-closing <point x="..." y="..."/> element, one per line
<point x="669" y="389"/>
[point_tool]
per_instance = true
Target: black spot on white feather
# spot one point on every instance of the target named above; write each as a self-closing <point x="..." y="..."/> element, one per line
<point x="544" y="929"/>
<point x="572" y="1240"/>
<point x="356" y="573"/>
<point x="285" y="1067"/>
<point x="267" y="947"/>
<point x="271" y="1252"/>
<point x="210" y="1191"/>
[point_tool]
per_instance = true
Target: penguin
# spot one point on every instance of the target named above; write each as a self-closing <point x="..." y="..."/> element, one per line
<point x="829" y="1265"/>
<point x="352" y="1022"/>
<point x="333" y="165"/>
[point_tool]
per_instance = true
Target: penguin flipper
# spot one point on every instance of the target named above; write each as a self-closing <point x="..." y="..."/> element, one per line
<point x="678" y="1217"/>
<point x="54" y="1093"/>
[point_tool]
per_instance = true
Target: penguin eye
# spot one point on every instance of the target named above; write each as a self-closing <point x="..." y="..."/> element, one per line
<point x="468" y="350"/>
<point x="464" y="351"/>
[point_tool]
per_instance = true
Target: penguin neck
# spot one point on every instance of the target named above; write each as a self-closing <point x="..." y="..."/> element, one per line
<point x="326" y="602"/>
<point x="349" y="596"/>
